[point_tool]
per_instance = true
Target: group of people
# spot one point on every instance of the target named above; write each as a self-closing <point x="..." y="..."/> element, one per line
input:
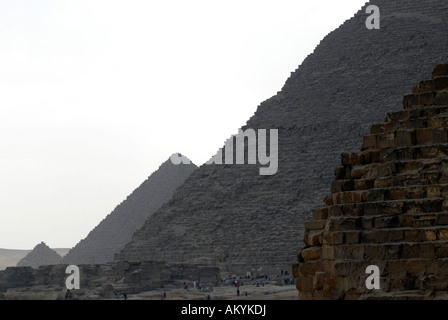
<point x="195" y="285"/>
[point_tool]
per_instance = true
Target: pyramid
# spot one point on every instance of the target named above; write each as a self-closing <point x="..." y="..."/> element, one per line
<point x="41" y="255"/>
<point x="388" y="208"/>
<point x="116" y="229"/>
<point x="230" y="216"/>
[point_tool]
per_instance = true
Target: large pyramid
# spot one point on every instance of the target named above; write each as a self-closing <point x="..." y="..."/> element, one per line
<point x="41" y="255"/>
<point x="116" y="229"/>
<point x="229" y="215"/>
<point x="388" y="209"/>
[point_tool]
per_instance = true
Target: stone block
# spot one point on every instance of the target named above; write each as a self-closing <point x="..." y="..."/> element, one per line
<point x="411" y="101"/>
<point x="312" y="238"/>
<point x="329" y="284"/>
<point x="433" y="192"/>
<point x="363" y="184"/>
<point x="441" y="98"/>
<point x="342" y="173"/>
<point x="424" y="86"/>
<point x="335" y="210"/>
<point x="427" y="250"/>
<point x="385" y="140"/>
<point x="378" y="128"/>
<point x="328" y="252"/>
<point x="436" y="122"/>
<point x="318" y="281"/>
<point x="315" y="225"/>
<point x="404" y="138"/>
<point x="440" y="136"/>
<point x="369" y="142"/>
<point x="305" y="284"/>
<point x="333" y="237"/>
<point x="312" y="253"/>
<point x="424" y="136"/>
<point x="320" y="213"/>
<point x="373" y="252"/>
<point x="295" y="271"/>
<point x="443" y="234"/>
<point x="341" y="186"/>
<point x="430" y="235"/>
<point x="441" y="84"/>
<point x="411" y="235"/>
<point x="352" y="237"/>
<point x="310" y="268"/>
<point x="442" y="219"/>
<point x="441" y="70"/>
<point x="427" y="99"/>
<point x="358" y="172"/>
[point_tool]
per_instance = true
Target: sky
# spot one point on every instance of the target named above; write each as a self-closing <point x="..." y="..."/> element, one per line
<point x="95" y="95"/>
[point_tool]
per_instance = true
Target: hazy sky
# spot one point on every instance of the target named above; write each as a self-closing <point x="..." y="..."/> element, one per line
<point x="95" y="95"/>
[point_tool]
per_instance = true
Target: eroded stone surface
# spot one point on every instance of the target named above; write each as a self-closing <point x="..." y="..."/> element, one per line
<point x="388" y="210"/>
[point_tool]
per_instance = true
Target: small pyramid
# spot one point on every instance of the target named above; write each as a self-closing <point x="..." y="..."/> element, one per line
<point x="41" y="255"/>
<point x="388" y="209"/>
<point x="116" y="229"/>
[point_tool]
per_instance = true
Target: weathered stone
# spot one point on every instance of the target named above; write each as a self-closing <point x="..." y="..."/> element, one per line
<point x="441" y="70"/>
<point x="312" y="253"/>
<point x="398" y="222"/>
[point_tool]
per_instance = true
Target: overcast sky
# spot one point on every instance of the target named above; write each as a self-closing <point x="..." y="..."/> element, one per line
<point x="95" y="95"/>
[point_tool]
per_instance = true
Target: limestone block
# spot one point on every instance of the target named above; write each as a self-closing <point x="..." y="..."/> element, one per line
<point x="443" y="234"/>
<point x="369" y="142"/>
<point x="424" y="136"/>
<point x="305" y="284"/>
<point x="441" y="70"/>
<point x="319" y="280"/>
<point x="441" y="98"/>
<point x="315" y="225"/>
<point x="312" y="253"/>
<point x="310" y="268"/>
<point x="404" y="138"/>
<point x="320" y="213"/>
<point x="441" y="84"/>
<point x="385" y="140"/>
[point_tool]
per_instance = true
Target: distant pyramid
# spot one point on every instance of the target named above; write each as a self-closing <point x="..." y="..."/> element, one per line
<point x="41" y="255"/>
<point x="116" y="230"/>
<point x="229" y="215"/>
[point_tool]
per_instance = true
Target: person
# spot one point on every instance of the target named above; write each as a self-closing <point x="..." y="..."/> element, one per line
<point x="238" y="292"/>
<point x="246" y="293"/>
<point x="68" y="294"/>
<point x="164" y="295"/>
<point x="208" y="297"/>
<point x="125" y="296"/>
<point x="194" y="284"/>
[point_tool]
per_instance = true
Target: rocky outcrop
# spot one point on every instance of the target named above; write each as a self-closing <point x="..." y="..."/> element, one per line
<point x="100" y="281"/>
<point x="116" y="230"/>
<point x="41" y="255"/>
<point x="388" y="208"/>
<point x="229" y="215"/>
